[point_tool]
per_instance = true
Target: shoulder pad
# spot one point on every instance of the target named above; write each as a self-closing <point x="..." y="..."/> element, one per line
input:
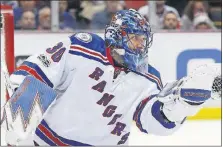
<point x="90" y="41"/>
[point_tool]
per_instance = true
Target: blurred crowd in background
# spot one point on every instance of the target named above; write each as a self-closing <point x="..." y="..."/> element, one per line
<point x="76" y="14"/>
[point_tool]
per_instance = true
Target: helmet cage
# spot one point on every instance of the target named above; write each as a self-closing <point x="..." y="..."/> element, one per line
<point x="117" y="36"/>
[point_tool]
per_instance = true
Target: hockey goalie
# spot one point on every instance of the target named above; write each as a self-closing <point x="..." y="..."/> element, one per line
<point x="86" y="91"/>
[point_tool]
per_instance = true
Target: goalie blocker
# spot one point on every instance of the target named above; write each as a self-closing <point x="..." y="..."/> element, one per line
<point x="26" y="108"/>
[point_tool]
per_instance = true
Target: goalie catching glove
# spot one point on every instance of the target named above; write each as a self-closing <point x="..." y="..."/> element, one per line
<point x="185" y="97"/>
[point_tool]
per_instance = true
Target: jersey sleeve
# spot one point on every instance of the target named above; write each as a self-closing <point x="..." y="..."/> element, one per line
<point x="150" y="119"/>
<point x="57" y="63"/>
<point x="148" y="115"/>
<point x="89" y="47"/>
<point x="50" y="66"/>
<point x="154" y="76"/>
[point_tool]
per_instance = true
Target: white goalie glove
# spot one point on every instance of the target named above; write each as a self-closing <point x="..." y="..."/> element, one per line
<point x="188" y="95"/>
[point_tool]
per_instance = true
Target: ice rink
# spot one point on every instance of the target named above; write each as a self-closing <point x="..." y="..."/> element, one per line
<point x="192" y="133"/>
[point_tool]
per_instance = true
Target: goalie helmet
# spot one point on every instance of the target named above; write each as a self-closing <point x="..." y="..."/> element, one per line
<point x="127" y="26"/>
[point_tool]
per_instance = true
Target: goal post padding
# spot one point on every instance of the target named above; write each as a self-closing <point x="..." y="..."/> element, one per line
<point x="7" y="36"/>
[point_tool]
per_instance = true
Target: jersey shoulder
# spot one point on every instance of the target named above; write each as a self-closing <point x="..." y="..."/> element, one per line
<point x="88" y="41"/>
<point x="152" y="70"/>
<point x="154" y="75"/>
<point x="90" y="46"/>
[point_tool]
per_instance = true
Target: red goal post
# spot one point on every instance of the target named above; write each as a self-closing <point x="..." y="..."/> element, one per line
<point x="7" y="36"/>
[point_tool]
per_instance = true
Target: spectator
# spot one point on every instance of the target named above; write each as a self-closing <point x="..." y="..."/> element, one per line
<point x="192" y="8"/>
<point x="202" y="22"/>
<point x="74" y="8"/>
<point x="27" y="21"/>
<point x="66" y="20"/>
<point x="216" y="16"/>
<point x="44" y="19"/>
<point x="29" y="5"/>
<point x="14" y="4"/>
<point x="179" y="5"/>
<point x="170" y="21"/>
<point x="88" y="9"/>
<point x="41" y="4"/>
<point x="103" y="18"/>
<point x="134" y="4"/>
<point x="215" y="12"/>
<point x="161" y="9"/>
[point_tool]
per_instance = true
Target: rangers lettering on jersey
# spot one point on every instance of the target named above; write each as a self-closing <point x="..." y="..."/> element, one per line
<point x="110" y="109"/>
